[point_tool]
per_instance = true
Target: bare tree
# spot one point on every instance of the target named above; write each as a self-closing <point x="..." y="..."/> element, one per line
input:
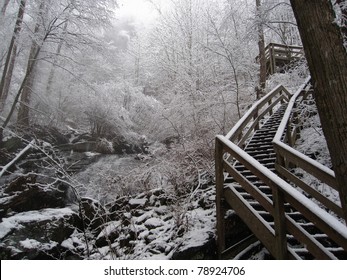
<point x="261" y="46"/>
<point x="225" y="50"/>
<point x="25" y="94"/>
<point x="327" y="60"/>
<point x="11" y="55"/>
<point x="51" y="30"/>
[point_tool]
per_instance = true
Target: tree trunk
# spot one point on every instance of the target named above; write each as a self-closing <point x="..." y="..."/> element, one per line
<point x="23" y="111"/>
<point x="11" y="57"/>
<point x="262" y="59"/>
<point x="57" y="54"/>
<point x="327" y="60"/>
<point x="8" y="78"/>
<point x="13" y="107"/>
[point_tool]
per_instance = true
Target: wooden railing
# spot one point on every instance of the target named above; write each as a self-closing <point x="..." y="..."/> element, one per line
<point x="229" y="150"/>
<point x="251" y="120"/>
<point x="278" y="55"/>
<point x="289" y="158"/>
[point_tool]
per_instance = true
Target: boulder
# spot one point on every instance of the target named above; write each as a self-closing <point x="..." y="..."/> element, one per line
<point x="36" y="234"/>
<point x="108" y="234"/>
<point x="22" y="194"/>
<point x="206" y="251"/>
<point x="93" y="214"/>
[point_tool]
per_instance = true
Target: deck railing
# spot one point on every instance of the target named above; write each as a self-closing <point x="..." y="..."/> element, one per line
<point x="229" y="150"/>
<point x="289" y="158"/>
<point x="251" y="121"/>
<point x="279" y="55"/>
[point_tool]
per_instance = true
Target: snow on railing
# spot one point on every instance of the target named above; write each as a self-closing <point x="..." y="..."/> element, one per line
<point x="283" y="192"/>
<point x="250" y="121"/>
<point x="268" y="176"/>
<point x="288" y="156"/>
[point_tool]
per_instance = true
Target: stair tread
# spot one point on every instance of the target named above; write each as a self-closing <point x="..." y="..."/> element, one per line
<point x="261" y="148"/>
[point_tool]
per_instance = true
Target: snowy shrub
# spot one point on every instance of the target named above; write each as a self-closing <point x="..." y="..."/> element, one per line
<point x="104" y="146"/>
<point x="292" y="78"/>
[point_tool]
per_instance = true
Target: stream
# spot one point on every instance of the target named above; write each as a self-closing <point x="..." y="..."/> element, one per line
<point x="107" y="177"/>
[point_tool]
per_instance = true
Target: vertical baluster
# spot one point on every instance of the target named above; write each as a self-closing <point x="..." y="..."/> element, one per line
<point x="280" y="224"/>
<point x="219" y="197"/>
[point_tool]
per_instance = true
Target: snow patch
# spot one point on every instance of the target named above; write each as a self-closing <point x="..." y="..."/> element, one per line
<point x="15" y="221"/>
<point x="153" y="223"/>
<point x="138" y="202"/>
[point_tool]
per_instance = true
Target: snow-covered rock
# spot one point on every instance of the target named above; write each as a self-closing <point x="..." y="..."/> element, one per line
<point x="36" y="234"/>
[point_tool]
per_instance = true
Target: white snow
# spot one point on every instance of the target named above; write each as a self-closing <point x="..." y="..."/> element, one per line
<point x="32" y="244"/>
<point x="153" y="223"/>
<point x="15" y="221"/>
<point x="286" y="188"/>
<point x="17" y="157"/>
<point x="138" y="202"/>
<point x="110" y="227"/>
<point x="91" y="154"/>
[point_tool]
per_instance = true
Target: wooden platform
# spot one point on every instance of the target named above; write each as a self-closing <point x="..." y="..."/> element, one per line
<point x="279" y="56"/>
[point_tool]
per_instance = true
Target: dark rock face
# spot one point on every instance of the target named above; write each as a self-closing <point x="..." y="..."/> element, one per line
<point x="23" y="195"/>
<point x="41" y="218"/>
<point x="36" y="219"/>
<point x="207" y="251"/>
<point x="93" y="214"/>
<point x="13" y="144"/>
<point x="49" y="134"/>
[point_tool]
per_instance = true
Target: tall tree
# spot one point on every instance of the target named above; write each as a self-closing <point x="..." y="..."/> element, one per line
<point x="86" y="19"/>
<point x="36" y="44"/>
<point x="261" y="45"/>
<point x="11" y="55"/>
<point x="327" y="59"/>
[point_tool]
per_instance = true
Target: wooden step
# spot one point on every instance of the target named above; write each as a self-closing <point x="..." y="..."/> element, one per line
<point x="331" y="248"/>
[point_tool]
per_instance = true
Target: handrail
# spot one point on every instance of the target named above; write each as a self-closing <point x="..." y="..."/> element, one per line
<point x="287" y="48"/>
<point x="282" y="191"/>
<point x="288" y="156"/>
<point x="273" y="48"/>
<point x="253" y="114"/>
<point x="280" y="55"/>
<point x="322" y="219"/>
<point x="268" y="176"/>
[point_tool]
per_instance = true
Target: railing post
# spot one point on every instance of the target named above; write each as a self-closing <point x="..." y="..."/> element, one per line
<point x="269" y="104"/>
<point x="289" y="134"/>
<point x="273" y="60"/>
<point x="256" y="114"/>
<point x="282" y="92"/>
<point x="280" y="224"/>
<point x="220" y="211"/>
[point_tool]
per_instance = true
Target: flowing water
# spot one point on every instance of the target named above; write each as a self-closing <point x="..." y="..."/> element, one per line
<point x="107" y="178"/>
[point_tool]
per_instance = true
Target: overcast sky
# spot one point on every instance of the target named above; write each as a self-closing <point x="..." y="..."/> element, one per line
<point x="140" y="10"/>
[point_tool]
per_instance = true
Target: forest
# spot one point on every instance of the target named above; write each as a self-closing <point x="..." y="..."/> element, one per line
<point x="108" y="120"/>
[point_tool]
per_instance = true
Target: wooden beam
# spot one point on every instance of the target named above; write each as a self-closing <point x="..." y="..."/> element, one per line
<point x="220" y="211"/>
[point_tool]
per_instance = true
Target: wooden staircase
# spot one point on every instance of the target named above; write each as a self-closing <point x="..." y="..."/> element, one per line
<point x="283" y="219"/>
